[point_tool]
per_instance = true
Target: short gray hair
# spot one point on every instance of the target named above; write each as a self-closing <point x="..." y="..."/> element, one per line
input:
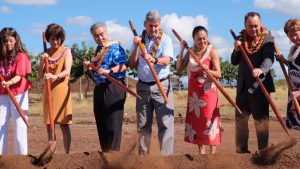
<point x="96" y="25"/>
<point x="153" y="15"/>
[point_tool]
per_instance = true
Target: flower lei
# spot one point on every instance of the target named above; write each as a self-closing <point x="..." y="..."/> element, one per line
<point x="256" y="43"/>
<point x="6" y="68"/>
<point x="6" y="71"/>
<point x="156" y="43"/>
<point x="56" y="59"/>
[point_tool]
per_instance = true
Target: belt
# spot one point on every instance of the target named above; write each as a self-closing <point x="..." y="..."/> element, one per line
<point x="108" y="82"/>
<point x="103" y="84"/>
<point x="153" y="82"/>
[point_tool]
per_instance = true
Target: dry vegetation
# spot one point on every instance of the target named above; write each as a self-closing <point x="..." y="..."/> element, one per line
<point x="85" y="144"/>
<point x="180" y="99"/>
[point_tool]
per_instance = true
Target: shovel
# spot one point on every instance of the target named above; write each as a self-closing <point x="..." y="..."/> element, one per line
<point x="48" y="153"/>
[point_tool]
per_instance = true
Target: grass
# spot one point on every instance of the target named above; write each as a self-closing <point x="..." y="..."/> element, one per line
<point x="180" y="100"/>
<point x="280" y="98"/>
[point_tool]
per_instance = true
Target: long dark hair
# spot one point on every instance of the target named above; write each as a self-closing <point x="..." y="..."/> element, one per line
<point x="11" y="56"/>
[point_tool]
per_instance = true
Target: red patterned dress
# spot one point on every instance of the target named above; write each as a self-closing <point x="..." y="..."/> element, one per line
<point x="202" y="115"/>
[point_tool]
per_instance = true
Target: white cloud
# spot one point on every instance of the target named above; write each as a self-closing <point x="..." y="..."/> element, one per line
<point x="282" y="41"/>
<point x="5" y="10"/>
<point x="120" y="32"/>
<point x="116" y="31"/>
<point x="82" y="37"/>
<point x="32" y="2"/>
<point x="224" y="49"/>
<point x="183" y="25"/>
<point x="283" y="44"/>
<point x="38" y="28"/>
<point x="290" y="7"/>
<point x="80" y="20"/>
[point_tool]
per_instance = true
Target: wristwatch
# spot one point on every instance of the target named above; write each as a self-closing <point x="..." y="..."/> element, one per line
<point x="111" y="71"/>
<point x="156" y="60"/>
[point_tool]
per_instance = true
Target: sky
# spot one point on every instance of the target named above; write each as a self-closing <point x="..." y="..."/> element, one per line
<point x="30" y="18"/>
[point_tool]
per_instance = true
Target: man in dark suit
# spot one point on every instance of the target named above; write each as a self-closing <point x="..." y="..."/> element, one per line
<point x="259" y="45"/>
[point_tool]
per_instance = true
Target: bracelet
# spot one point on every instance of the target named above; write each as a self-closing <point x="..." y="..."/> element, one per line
<point x="57" y="76"/>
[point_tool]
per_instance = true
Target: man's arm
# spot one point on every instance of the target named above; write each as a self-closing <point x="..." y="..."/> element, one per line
<point x="163" y="61"/>
<point x="236" y="53"/>
<point x="268" y="54"/>
<point x="133" y="59"/>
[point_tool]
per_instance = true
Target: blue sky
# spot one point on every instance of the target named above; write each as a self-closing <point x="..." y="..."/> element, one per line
<point x="30" y="17"/>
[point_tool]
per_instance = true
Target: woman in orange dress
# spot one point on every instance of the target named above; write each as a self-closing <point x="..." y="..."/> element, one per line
<point x="202" y="116"/>
<point x="60" y="62"/>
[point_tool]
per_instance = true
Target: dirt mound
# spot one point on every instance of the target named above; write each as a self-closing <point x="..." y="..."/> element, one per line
<point x="92" y="160"/>
<point x="85" y="146"/>
<point x="270" y="155"/>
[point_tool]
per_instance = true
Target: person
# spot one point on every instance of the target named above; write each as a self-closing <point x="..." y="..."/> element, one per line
<point x="109" y="99"/>
<point x="259" y="46"/>
<point x="160" y="52"/>
<point x="59" y="58"/>
<point x="292" y="30"/>
<point x="15" y="66"/>
<point x="202" y="125"/>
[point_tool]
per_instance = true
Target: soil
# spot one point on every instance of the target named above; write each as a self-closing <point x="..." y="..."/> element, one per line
<point x="86" y="154"/>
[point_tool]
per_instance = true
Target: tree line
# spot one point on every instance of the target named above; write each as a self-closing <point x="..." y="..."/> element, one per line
<point x="229" y="72"/>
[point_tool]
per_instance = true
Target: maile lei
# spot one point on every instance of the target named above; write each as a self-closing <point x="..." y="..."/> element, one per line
<point x="156" y="43"/>
<point x="255" y="43"/>
<point x="100" y="55"/>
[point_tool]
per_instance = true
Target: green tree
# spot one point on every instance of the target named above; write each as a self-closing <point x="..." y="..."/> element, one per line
<point x="177" y="74"/>
<point x="131" y="72"/>
<point x="78" y="70"/>
<point x="35" y="62"/>
<point x="273" y="73"/>
<point x="229" y="72"/>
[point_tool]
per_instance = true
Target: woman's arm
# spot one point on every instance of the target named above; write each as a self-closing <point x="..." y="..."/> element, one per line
<point x="12" y="81"/>
<point x="182" y="61"/>
<point x="216" y="71"/>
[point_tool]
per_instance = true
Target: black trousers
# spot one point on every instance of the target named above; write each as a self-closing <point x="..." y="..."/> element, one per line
<point x="109" y="102"/>
<point x="257" y="105"/>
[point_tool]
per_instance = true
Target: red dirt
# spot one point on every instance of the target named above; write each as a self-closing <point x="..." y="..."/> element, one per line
<point x="85" y="149"/>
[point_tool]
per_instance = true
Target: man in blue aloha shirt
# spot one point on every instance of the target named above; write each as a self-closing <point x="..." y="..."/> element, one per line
<point x="109" y="99"/>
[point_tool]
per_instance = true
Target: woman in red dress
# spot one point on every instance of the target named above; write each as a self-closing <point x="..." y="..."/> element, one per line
<point x="202" y="116"/>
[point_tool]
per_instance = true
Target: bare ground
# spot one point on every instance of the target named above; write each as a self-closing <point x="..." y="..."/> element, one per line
<point x="85" y="149"/>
